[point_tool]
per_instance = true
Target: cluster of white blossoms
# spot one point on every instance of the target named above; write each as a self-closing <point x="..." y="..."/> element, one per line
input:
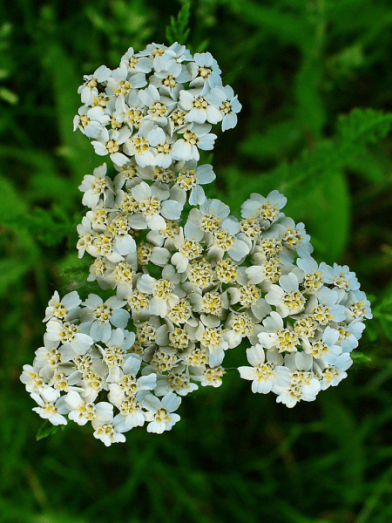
<point x="157" y="107"/>
<point x="185" y="289"/>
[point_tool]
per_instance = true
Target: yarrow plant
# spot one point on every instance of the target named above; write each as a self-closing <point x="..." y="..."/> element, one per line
<point x="185" y="288"/>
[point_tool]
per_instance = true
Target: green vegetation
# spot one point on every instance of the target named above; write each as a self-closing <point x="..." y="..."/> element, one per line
<point x="315" y="84"/>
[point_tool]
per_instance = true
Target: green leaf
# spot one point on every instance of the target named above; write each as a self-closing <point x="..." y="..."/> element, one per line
<point x="342" y="428"/>
<point x="386" y="324"/>
<point x="330" y="216"/>
<point x="315" y="165"/>
<point x="359" y="357"/>
<point x="47" y="429"/>
<point x="55" y="189"/>
<point x="50" y="227"/>
<point x="364" y="126"/>
<point x="371" y="167"/>
<point x="291" y="28"/>
<point x="12" y="204"/>
<point x="177" y="30"/>
<point x="11" y="270"/>
<point x="311" y="113"/>
<point x="74" y="272"/>
<point x="382" y="312"/>
<point x="75" y="148"/>
<point x="277" y="141"/>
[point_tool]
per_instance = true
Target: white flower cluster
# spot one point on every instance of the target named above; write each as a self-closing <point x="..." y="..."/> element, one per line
<point x="186" y="289"/>
<point x="157" y="107"/>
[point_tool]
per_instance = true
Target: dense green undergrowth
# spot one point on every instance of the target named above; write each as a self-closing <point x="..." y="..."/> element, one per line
<point x="315" y="84"/>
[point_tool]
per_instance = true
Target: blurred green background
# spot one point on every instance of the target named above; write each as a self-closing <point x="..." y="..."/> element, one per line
<point x="300" y="69"/>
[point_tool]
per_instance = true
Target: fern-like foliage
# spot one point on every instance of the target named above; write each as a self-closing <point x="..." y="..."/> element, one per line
<point x="177" y="30"/>
<point x="363" y="126"/>
<point x="353" y="132"/>
<point x="49" y="227"/>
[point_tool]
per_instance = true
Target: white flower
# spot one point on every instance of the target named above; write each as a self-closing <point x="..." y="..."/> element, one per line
<point x="207" y="219"/>
<point x="129" y="109"/>
<point x="119" y="228"/>
<point x="276" y="334"/>
<point x="81" y="412"/>
<point x="286" y="296"/>
<point x="172" y="58"/>
<point x="64" y="309"/>
<point x="249" y="295"/>
<point x="239" y="325"/>
<point x="194" y="137"/>
<point x="265" y="375"/>
<point x="208" y="376"/>
<point x="325" y="346"/>
<point x="50" y="357"/>
<point x="89" y="90"/>
<point x="154" y="52"/>
<point x="110" y="142"/>
<point x="163" y="291"/>
<point x="154" y="207"/>
<point x="211" y="302"/>
<point x="115" y="355"/>
<point x="303" y="384"/>
<point x="97" y="186"/>
<point x="91" y="121"/>
<point x="187" y="250"/>
<point x="135" y="64"/>
<point x="266" y="273"/>
<point x="266" y="210"/>
<point x="69" y="335"/>
<point x="228" y="105"/>
<point x="189" y="178"/>
<point x="177" y="380"/>
<point x="32" y="379"/>
<point x="86" y="237"/>
<point x="120" y="275"/>
<point x="313" y="279"/>
<point x="340" y="276"/>
<point x="357" y="306"/>
<point x="130" y="175"/>
<point x="210" y="335"/>
<point x="196" y="286"/>
<point x="100" y="316"/>
<point x="109" y="431"/>
<point x="349" y="334"/>
<point x="206" y="71"/>
<point x="49" y="406"/>
<point x="296" y="238"/>
<point x="163" y="146"/>
<point x="120" y="82"/>
<point x="104" y="245"/>
<point x="334" y="373"/>
<point x="160" y="412"/>
<point x="157" y="255"/>
<point x="325" y="307"/>
<point x="157" y="105"/>
<point x="128" y="384"/>
<point x="170" y="78"/>
<point x="165" y="237"/>
<point x="227" y="239"/>
<point x="139" y="145"/>
<point x="131" y="413"/>
<point x="198" y="108"/>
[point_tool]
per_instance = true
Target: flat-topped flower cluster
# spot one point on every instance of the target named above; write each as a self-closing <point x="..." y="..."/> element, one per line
<point x="185" y="289"/>
<point x="157" y="107"/>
